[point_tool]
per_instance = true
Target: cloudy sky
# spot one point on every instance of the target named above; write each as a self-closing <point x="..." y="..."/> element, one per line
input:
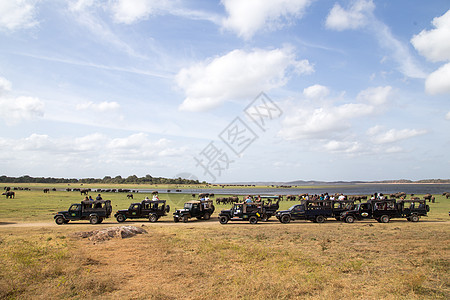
<point x="231" y="90"/>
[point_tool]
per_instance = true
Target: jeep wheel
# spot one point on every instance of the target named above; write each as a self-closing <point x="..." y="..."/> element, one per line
<point x="320" y="219"/>
<point x="253" y="220"/>
<point x="349" y="219"/>
<point x="285" y="219"/>
<point x="153" y="218"/>
<point x="167" y="208"/>
<point x="223" y="220"/>
<point x="93" y="220"/>
<point x="59" y="220"/>
<point x="175" y="219"/>
<point x="120" y="218"/>
<point x="206" y="216"/>
<point x="384" y="219"/>
<point x="185" y="219"/>
<point x="414" y="218"/>
<point x="264" y="218"/>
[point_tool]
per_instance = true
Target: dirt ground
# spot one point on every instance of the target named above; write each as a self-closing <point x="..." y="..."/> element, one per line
<point x="204" y="259"/>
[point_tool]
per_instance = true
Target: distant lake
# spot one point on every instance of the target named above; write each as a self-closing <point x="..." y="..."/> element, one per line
<point x="350" y="189"/>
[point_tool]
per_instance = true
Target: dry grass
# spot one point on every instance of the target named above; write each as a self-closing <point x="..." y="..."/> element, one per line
<point x="199" y="260"/>
<point x="399" y="260"/>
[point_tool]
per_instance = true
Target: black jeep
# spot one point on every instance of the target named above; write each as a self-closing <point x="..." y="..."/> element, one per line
<point x="251" y="212"/>
<point x="386" y="209"/>
<point x="270" y="205"/>
<point x="148" y="209"/>
<point x="316" y="211"/>
<point x="194" y="209"/>
<point x="94" y="211"/>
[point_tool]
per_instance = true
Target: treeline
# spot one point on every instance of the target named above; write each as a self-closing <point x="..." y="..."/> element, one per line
<point x="147" y="179"/>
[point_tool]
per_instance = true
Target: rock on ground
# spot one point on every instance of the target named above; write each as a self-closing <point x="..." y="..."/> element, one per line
<point x="105" y="234"/>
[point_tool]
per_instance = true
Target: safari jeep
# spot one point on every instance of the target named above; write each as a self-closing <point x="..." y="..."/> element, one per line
<point x="94" y="211"/>
<point x="251" y="212"/>
<point x="315" y="211"/>
<point x="270" y="206"/>
<point x="194" y="209"/>
<point x="384" y="210"/>
<point x="147" y="209"/>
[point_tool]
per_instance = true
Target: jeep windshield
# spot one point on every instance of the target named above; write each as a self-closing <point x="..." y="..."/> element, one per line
<point x="74" y="207"/>
<point x="188" y="205"/>
<point x="296" y="207"/>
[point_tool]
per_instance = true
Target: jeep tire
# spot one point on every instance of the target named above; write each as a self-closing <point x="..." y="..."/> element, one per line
<point x="207" y="216"/>
<point x="414" y="218"/>
<point x="384" y="219"/>
<point x="176" y="220"/>
<point x="185" y="219"/>
<point x="93" y="220"/>
<point x="153" y="218"/>
<point x="253" y="220"/>
<point x="320" y="219"/>
<point x="120" y="218"/>
<point x="285" y="219"/>
<point x="349" y="219"/>
<point x="223" y="220"/>
<point x="264" y="218"/>
<point x="59" y="220"/>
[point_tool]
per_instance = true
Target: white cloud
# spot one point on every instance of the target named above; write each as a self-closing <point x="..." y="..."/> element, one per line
<point x="447" y="116"/>
<point x="325" y="122"/>
<point x="237" y="75"/>
<point x="34" y="142"/>
<point x="392" y="135"/>
<point x="376" y="96"/>
<point x="89" y="142"/>
<point x="94" y="151"/>
<point x="354" y="17"/>
<point x="129" y="11"/>
<point x="248" y="17"/>
<point x="342" y="147"/>
<point x="17" y="14"/>
<point x="438" y="82"/>
<point x="80" y="5"/>
<point x="5" y="86"/>
<point x="435" y="44"/>
<point x="134" y="141"/>
<point x="99" y="107"/>
<point x="360" y="15"/>
<point x="316" y="91"/>
<point x="15" y="110"/>
<point x="132" y="11"/>
<point x="397" y="50"/>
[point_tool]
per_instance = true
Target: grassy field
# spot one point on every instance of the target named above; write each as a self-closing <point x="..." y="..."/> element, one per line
<point x="199" y="260"/>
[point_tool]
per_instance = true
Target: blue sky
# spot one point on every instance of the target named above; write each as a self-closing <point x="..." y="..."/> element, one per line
<point x="356" y="90"/>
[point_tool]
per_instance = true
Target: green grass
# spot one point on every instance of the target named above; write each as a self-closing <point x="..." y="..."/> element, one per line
<point x="36" y="206"/>
<point x="300" y="260"/>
